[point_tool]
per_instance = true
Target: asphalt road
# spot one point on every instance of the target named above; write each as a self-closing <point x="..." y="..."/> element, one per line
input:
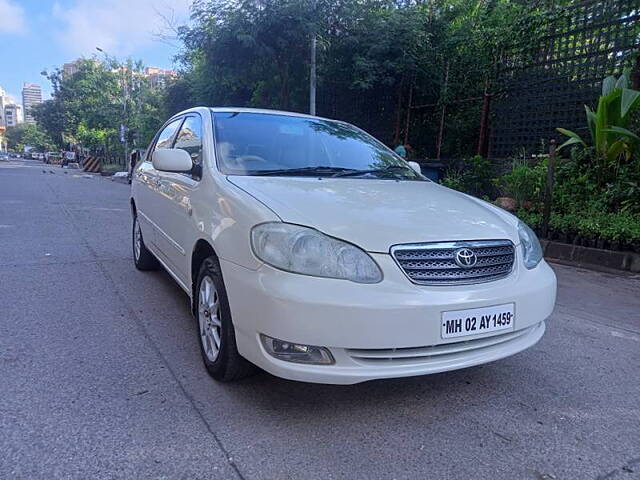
<point x="101" y="377"/>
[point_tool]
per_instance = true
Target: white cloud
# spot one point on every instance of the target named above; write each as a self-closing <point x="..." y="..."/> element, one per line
<point x="119" y="27"/>
<point x="11" y="18"/>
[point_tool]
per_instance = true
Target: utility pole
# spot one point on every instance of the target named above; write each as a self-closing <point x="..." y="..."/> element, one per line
<point x="313" y="67"/>
<point x="312" y="76"/>
<point x="443" y="113"/>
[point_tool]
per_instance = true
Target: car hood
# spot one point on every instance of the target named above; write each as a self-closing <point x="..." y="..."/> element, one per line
<point x="376" y="214"/>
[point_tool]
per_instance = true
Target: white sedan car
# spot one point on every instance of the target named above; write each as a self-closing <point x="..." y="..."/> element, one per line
<point x="311" y="250"/>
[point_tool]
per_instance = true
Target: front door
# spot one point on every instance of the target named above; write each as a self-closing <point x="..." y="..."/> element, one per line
<point x="147" y="179"/>
<point x="175" y="191"/>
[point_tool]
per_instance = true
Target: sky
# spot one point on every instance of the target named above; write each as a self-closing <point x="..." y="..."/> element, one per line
<point x="37" y="35"/>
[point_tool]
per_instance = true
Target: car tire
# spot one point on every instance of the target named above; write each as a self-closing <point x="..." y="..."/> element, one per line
<point x="142" y="257"/>
<point x="216" y="333"/>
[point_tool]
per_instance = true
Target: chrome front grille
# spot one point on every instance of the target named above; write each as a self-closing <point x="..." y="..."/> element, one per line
<point x="435" y="263"/>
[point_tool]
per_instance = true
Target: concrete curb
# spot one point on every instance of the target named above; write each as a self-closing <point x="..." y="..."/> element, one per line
<point x="591" y="257"/>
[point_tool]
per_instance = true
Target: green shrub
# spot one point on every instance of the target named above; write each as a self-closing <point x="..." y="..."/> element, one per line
<point x="592" y="201"/>
<point x="622" y="228"/>
<point x="453" y="178"/>
<point x="531" y="218"/>
<point x="524" y="183"/>
<point x="581" y="186"/>
<point x="474" y="176"/>
<point x="479" y="173"/>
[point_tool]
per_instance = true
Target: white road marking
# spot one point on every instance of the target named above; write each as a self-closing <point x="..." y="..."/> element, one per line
<point x="106" y="209"/>
<point x="629" y="336"/>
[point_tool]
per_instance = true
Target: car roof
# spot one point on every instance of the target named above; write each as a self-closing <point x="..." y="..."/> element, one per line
<point x="264" y="111"/>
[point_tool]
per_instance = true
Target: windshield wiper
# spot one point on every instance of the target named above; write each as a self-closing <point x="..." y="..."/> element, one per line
<point x="320" y="170"/>
<point x="388" y="168"/>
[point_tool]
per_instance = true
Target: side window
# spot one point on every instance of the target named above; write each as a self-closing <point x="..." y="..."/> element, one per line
<point x="190" y="139"/>
<point x="166" y="135"/>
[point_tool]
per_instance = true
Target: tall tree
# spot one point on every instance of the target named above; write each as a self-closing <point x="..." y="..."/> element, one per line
<point x="88" y="106"/>
<point x="27" y="135"/>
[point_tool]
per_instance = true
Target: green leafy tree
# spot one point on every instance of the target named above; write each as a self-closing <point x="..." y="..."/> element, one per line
<point x="27" y="135"/>
<point x="88" y="107"/>
<point x="373" y="57"/>
<point x="50" y="118"/>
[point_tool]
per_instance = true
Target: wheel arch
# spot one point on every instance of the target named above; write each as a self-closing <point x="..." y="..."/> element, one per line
<point x="201" y="251"/>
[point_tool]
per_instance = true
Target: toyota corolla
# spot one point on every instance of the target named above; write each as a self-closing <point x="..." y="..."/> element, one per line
<point x="311" y="250"/>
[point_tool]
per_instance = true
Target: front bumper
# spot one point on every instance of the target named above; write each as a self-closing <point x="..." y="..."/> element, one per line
<point x="390" y="329"/>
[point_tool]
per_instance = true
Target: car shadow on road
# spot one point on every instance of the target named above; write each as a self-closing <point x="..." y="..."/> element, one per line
<point x="264" y="392"/>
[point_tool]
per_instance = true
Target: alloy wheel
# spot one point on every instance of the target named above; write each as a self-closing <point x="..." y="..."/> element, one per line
<point x="137" y="240"/>
<point x="209" y="318"/>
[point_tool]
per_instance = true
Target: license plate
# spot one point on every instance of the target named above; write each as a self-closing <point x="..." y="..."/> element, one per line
<point x="473" y="321"/>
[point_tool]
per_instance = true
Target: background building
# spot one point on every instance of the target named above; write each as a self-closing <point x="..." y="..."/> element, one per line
<point x="4" y="100"/>
<point x="13" y="114"/>
<point x="10" y="116"/>
<point x="158" y="76"/>
<point x="70" y="68"/>
<point x="31" y="95"/>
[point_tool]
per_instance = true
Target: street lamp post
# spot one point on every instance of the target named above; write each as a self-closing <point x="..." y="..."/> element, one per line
<point x="313" y="66"/>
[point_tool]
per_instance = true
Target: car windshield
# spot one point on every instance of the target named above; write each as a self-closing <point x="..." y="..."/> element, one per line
<point x="250" y="143"/>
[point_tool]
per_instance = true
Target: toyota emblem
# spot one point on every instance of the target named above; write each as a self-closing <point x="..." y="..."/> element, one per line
<point x="465" y="258"/>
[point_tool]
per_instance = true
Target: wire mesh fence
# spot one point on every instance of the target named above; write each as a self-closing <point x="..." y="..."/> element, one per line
<point x="545" y="81"/>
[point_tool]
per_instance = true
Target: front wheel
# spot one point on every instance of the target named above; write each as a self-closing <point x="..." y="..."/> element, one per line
<point x="215" y="329"/>
<point x="142" y="257"/>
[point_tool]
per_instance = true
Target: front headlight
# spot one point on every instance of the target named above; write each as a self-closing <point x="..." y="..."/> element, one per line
<point x="307" y="251"/>
<point x="531" y="248"/>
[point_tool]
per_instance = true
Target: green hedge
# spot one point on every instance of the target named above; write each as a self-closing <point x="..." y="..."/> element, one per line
<point x="594" y="204"/>
<point x="620" y="230"/>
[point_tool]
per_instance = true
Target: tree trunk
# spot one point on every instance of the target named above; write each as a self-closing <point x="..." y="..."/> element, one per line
<point x="396" y="136"/>
<point x="283" y="66"/>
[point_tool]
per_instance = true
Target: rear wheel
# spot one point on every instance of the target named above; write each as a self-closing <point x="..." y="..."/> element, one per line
<point x="215" y="329"/>
<point x="142" y="257"/>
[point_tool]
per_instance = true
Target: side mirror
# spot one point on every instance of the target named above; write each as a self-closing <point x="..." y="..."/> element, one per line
<point x="171" y="160"/>
<point x="416" y="167"/>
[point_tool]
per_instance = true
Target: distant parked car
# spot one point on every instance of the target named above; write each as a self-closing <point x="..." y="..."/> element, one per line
<point x="4" y="156"/>
<point x="68" y="157"/>
<point x="313" y="251"/>
<point x="53" y="158"/>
